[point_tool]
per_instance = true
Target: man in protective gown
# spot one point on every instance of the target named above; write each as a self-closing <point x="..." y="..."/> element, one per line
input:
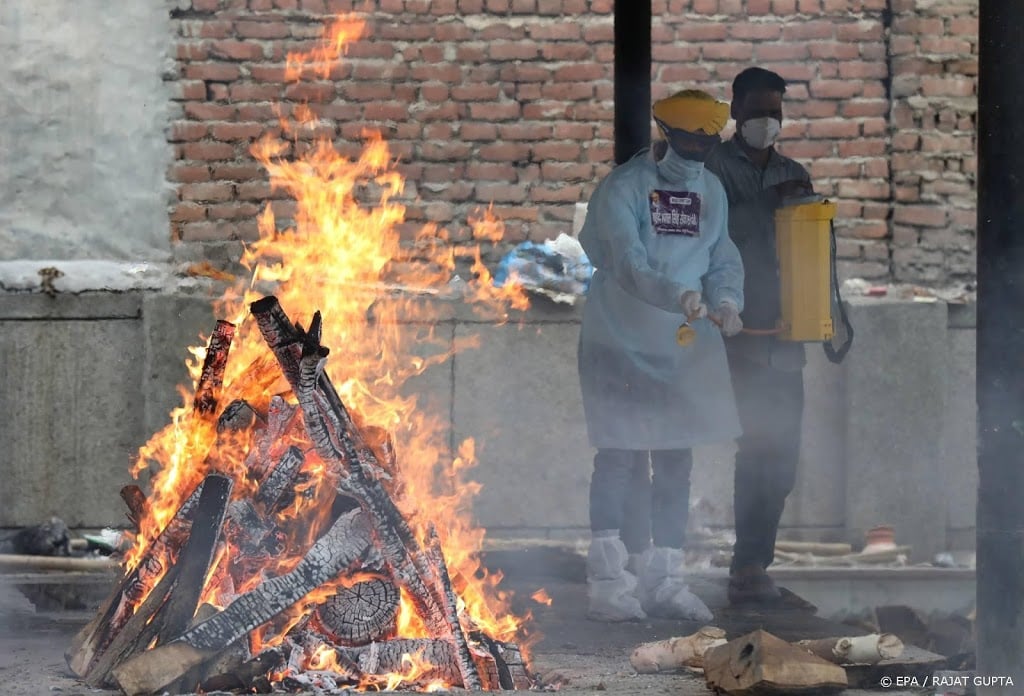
<point x="657" y="234"/>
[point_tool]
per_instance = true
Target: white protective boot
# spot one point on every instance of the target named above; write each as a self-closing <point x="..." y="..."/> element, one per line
<point x="662" y="587"/>
<point x="610" y="588"/>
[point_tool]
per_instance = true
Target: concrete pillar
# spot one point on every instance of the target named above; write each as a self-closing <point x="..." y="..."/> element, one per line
<point x="632" y="77"/>
<point x="1000" y="535"/>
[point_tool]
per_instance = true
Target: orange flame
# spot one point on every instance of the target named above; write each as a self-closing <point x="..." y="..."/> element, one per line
<point x="380" y="298"/>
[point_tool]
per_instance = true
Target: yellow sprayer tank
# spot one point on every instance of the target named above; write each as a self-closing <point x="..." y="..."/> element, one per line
<point x="803" y="242"/>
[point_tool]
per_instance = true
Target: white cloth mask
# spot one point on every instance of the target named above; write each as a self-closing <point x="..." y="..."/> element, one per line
<point x="761" y="133"/>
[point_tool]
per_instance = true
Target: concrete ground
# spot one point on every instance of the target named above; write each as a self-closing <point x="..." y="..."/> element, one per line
<point x="581" y="656"/>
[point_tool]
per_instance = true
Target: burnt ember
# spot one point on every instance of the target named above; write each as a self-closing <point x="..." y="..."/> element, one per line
<point x="332" y="620"/>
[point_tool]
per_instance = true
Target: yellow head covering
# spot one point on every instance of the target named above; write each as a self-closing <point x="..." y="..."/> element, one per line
<point x="692" y="110"/>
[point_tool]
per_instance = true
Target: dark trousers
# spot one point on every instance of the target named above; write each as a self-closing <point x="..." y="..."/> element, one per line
<point x="771" y="404"/>
<point x="622" y="496"/>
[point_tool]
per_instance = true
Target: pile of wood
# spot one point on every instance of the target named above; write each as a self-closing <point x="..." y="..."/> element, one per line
<point x="152" y="636"/>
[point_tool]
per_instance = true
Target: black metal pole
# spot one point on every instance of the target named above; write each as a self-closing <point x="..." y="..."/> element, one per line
<point x="632" y="77"/>
<point x="1000" y="343"/>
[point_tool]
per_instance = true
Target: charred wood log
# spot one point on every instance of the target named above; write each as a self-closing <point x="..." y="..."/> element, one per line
<point x="393" y="657"/>
<point x="244" y="675"/>
<point x="360" y="614"/>
<point x="343" y="545"/>
<point x="138" y="506"/>
<point x="211" y="378"/>
<point x="237" y="416"/>
<point x="171" y="605"/>
<point x="280" y="419"/>
<point x="115" y="612"/>
<point x="467" y="668"/>
<point x="278" y="484"/>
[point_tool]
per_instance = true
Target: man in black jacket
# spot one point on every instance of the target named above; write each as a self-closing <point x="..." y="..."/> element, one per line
<point x="767" y="373"/>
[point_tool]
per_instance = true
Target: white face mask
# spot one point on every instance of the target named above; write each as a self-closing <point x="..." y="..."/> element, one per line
<point x="761" y="133"/>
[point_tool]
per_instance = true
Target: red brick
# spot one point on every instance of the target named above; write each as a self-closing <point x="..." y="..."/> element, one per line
<point x="237" y="171"/>
<point x="267" y="73"/>
<point x="561" y="31"/>
<point x="573" y="131"/>
<point x="524" y="131"/>
<point x="781" y="52"/>
<point x="876" y="126"/>
<point x="964" y="27"/>
<point x="862" y="148"/>
<point x="367" y="91"/>
<point x="504" y="152"/>
<point x="828" y="167"/>
<point x="759" y="31"/>
<point x="556" y="194"/>
<point x="234" y="211"/>
<point x="474" y="92"/>
<point x="192" y="50"/>
<point x="683" y="73"/>
<point x="566" y="171"/>
<point x="215" y="72"/>
<point x="856" y="108"/>
<point x="811" y="29"/>
<point x="783" y="7"/>
<point x="728" y="51"/>
<point x="944" y="45"/>
<point x="834" y="89"/>
<point x="570" y="91"/>
<point x="810" y="7"/>
<point x="208" y="231"/>
<point x="807" y="149"/>
<point x="709" y="7"/>
<point x="702" y="32"/>
<point x="920" y="215"/>
<point x="868" y="230"/>
<point x="864" y="30"/>
<point x="947" y="86"/>
<point x="582" y="72"/>
<point x="311" y="91"/>
<point x="188" y="211"/>
<point x="236" y="50"/>
<point x="262" y="30"/>
<point x="673" y="52"/>
<point x="501" y="192"/>
<point x="182" y="131"/>
<point x="185" y="173"/>
<point x="864" y="190"/>
<point x="500" y="32"/>
<point x="541" y="110"/>
<point x="513" y="51"/>
<point x="236" y="131"/>
<point x="208" y="151"/>
<point x="759" y="7"/>
<point x="205" y="111"/>
<point x="792" y="72"/>
<point x="484" y="171"/>
<point x="208" y="191"/>
<point x="558" y="151"/>
<point x="253" y="91"/>
<point x="861" y="70"/>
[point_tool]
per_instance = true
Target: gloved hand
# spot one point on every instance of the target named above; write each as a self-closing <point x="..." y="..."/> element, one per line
<point x="729" y="315"/>
<point x="693" y="305"/>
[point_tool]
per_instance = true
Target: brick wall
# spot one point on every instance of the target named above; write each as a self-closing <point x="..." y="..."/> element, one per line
<point x="510" y="102"/>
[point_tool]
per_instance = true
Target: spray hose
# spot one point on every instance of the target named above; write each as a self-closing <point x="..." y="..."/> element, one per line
<point x="686" y="333"/>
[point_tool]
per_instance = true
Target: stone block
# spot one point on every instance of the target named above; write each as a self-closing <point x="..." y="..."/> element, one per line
<point x="71" y="394"/>
<point x="172" y="322"/>
<point x="518" y="397"/>
<point x="896" y="394"/>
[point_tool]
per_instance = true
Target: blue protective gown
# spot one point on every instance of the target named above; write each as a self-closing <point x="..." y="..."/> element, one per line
<point x="656" y="228"/>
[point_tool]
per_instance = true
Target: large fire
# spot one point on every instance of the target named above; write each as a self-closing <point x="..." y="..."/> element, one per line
<point x="343" y="256"/>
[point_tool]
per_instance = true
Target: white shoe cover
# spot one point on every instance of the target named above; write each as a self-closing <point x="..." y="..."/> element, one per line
<point x="662" y="587"/>
<point x="610" y="588"/>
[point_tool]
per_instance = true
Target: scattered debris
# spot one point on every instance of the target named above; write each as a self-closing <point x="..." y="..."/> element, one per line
<point x="853" y="650"/>
<point x="49" y="275"/>
<point x="47" y="539"/>
<point x="558" y="269"/>
<point x="676" y="653"/>
<point x="760" y="663"/>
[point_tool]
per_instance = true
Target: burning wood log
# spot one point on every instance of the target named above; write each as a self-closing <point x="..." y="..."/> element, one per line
<point x="279" y="481"/>
<point x="138" y="506"/>
<point x="676" y="653"/>
<point x="393" y="656"/>
<point x="238" y="415"/>
<point x="855" y="650"/>
<point x="212" y="376"/>
<point x="362" y="613"/>
<point x="343" y="544"/>
<point x="94" y="638"/>
<point x="170" y="607"/>
<point x="467" y="668"/>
